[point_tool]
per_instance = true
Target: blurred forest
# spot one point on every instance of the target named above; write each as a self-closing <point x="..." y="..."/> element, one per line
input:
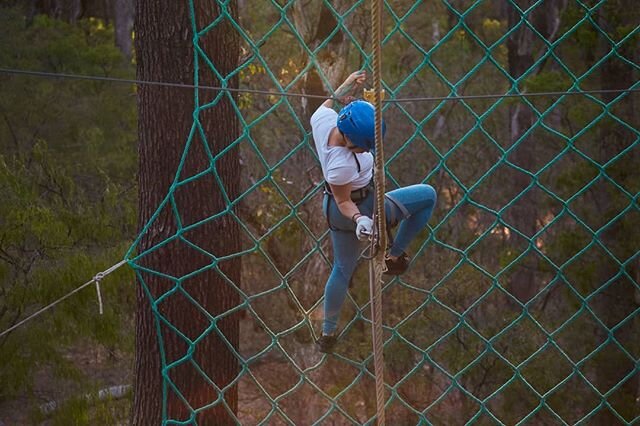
<point x="523" y="299"/>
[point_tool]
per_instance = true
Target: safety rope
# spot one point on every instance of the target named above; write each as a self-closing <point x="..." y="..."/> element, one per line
<point x="96" y="279"/>
<point x="412" y="99"/>
<point x="377" y="264"/>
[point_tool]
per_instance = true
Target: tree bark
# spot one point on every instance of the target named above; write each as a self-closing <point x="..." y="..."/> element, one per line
<point x="165" y="53"/>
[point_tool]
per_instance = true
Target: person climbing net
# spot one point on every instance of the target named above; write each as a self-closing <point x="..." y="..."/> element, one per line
<point x="345" y="143"/>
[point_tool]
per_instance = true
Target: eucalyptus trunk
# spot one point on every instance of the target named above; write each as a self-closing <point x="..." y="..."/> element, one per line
<point x="165" y="53"/>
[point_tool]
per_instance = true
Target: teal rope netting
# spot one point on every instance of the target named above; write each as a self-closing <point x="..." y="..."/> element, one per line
<point x="464" y="340"/>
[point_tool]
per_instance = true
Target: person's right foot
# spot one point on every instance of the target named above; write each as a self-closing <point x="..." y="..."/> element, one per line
<point x="397" y="266"/>
<point x="326" y="343"/>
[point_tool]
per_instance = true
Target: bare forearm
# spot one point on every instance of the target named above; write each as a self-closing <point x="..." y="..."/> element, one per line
<point x="349" y="209"/>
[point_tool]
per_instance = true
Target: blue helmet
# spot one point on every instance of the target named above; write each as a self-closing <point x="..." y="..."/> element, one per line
<point x="357" y="122"/>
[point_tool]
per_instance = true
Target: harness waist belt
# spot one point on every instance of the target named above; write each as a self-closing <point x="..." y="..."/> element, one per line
<point x="357" y="195"/>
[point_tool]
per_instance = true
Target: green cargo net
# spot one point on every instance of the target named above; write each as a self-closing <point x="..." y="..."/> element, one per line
<point x="522" y="302"/>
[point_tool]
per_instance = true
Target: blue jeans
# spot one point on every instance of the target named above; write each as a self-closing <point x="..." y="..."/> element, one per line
<point x="411" y="207"/>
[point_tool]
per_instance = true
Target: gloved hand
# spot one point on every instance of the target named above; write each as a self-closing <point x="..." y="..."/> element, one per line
<point x="364" y="227"/>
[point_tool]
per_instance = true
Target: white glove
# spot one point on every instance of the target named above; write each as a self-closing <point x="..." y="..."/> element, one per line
<point x="364" y="227"/>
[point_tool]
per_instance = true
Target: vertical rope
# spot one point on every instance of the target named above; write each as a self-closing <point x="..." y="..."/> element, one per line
<point x="377" y="265"/>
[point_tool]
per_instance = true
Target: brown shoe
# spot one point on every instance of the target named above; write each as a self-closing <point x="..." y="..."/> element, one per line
<point x="326" y="343"/>
<point x="397" y="266"/>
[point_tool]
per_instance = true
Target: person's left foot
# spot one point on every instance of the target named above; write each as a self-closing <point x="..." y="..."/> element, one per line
<point x="397" y="266"/>
<point x="326" y="343"/>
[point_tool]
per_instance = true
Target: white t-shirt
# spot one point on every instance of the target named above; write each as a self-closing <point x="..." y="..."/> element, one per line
<point x="339" y="166"/>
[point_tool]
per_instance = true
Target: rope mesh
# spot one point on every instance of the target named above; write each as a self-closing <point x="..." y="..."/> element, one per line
<point x="522" y="303"/>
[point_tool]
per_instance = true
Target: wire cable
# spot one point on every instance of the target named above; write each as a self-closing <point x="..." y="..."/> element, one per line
<point x="45" y="74"/>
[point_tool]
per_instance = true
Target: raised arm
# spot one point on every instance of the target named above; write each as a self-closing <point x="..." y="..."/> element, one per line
<point x="355" y="79"/>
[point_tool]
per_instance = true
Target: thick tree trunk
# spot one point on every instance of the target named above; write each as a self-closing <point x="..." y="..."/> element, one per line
<point x="165" y="53"/>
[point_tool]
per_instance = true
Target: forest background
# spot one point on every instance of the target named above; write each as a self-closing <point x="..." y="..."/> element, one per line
<point x="68" y="185"/>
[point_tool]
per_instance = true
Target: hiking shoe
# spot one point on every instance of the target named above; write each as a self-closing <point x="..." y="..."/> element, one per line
<point x="326" y="343"/>
<point x="398" y="266"/>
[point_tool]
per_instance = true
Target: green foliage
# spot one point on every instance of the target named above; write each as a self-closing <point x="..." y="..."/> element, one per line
<point x="67" y="167"/>
<point x="551" y="81"/>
